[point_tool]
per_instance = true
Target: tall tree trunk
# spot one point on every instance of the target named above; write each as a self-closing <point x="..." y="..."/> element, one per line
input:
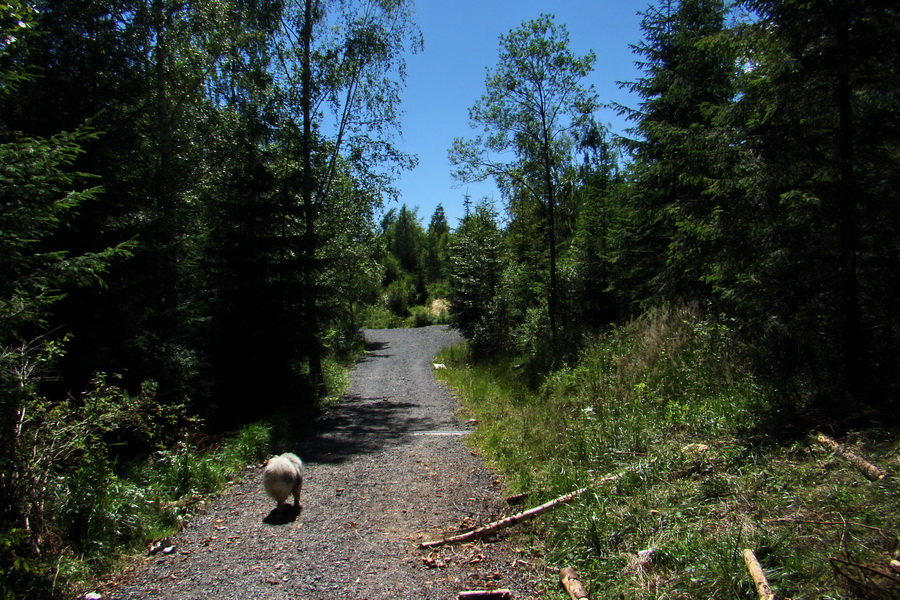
<point x="553" y="299"/>
<point x="309" y="193"/>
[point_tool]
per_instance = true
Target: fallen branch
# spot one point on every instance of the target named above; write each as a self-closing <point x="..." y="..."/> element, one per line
<point x="763" y="589"/>
<point x="569" y="579"/>
<point x="871" y="472"/>
<point x="527" y="515"/>
<point x="485" y="595"/>
<point x="866" y="568"/>
<point x="869" y="576"/>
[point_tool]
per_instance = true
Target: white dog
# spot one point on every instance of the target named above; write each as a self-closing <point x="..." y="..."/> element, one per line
<point x="284" y="476"/>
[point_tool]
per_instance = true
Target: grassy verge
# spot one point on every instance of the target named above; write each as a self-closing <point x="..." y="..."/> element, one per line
<point x="709" y="470"/>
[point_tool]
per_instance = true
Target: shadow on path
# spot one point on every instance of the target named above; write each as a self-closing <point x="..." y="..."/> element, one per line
<point x="358" y="426"/>
<point x="289" y="514"/>
<point x="377" y="412"/>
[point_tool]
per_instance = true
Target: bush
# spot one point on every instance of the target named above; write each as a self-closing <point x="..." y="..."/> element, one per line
<point x="397" y="297"/>
<point x="421" y="317"/>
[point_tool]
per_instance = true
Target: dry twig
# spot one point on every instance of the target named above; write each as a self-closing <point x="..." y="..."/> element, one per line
<point x="527" y="515"/>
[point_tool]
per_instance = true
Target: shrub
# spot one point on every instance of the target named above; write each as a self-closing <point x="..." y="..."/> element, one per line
<point x="397" y="297"/>
<point x="421" y="317"/>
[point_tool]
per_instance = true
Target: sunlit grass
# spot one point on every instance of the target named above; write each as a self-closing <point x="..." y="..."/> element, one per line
<point x="666" y="401"/>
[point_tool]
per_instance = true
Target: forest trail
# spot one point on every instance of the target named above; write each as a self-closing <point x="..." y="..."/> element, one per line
<point x="385" y="470"/>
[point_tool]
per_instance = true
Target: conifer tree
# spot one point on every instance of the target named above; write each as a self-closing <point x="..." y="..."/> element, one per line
<point x="814" y="259"/>
<point x="688" y="77"/>
<point x="476" y="253"/>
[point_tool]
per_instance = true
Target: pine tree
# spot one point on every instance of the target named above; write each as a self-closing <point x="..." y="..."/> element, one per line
<point x="688" y="78"/>
<point x="598" y="225"/>
<point x="435" y="257"/>
<point x="40" y="193"/>
<point x="815" y="263"/>
<point x="476" y="264"/>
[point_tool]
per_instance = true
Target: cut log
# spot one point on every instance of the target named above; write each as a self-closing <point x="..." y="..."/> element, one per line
<point x="485" y="595"/>
<point x="527" y="515"/>
<point x="763" y="589"/>
<point x="569" y="579"/>
<point x="870" y="471"/>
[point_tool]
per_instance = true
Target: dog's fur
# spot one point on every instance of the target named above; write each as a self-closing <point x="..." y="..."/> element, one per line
<point x="284" y="476"/>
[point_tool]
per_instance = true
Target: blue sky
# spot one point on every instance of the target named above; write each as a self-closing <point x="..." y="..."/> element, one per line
<point x="461" y="42"/>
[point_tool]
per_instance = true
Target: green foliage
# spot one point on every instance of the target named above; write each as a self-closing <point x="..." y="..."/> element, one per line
<point x="36" y="200"/>
<point x="477" y="261"/>
<point x="814" y="165"/>
<point x="533" y="102"/>
<point x="688" y="77"/>
<point x="101" y="509"/>
<point x="415" y="264"/>
<point x="755" y="183"/>
<point x="18" y="570"/>
<point x="667" y="401"/>
<point x="243" y="154"/>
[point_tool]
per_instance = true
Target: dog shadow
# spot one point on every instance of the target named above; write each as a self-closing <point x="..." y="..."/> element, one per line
<point x="282" y="517"/>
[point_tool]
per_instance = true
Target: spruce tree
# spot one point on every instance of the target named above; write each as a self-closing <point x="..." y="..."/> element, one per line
<point x="815" y="263"/>
<point x="688" y="77"/>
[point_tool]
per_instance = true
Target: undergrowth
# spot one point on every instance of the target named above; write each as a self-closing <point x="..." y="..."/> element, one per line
<point x="665" y="402"/>
<point x="100" y="510"/>
<point x="381" y="316"/>
<point x="90" y="479"/>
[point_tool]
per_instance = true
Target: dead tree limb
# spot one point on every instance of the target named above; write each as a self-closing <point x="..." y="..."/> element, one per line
<point x="527" y="515"/>
<point x="871" y="472"/>
<point x="569" y="579"/>
<point x="763" y="589"/>
<point x="485" y="595"/>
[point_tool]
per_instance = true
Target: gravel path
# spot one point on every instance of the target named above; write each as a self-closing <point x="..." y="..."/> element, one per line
<point x="385" y="470"/>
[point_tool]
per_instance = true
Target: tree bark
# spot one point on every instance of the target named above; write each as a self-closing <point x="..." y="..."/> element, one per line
<point x="309" y="194"/>
<point x="763" y="589"/>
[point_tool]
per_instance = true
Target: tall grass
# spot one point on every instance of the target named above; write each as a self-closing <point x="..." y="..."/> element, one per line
<point x="665" y="399"/>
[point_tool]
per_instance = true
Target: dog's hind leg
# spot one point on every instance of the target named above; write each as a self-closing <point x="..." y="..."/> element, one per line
<point x="297" y="489"/>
